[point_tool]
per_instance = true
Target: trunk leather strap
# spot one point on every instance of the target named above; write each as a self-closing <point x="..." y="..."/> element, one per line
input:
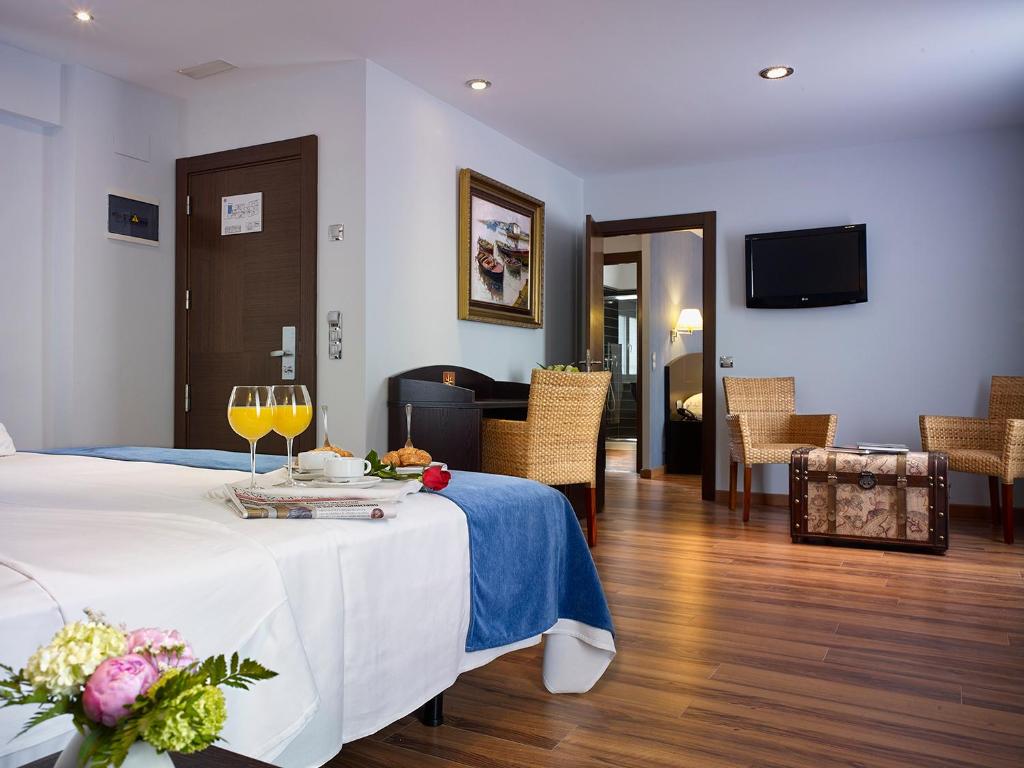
<point x="901" y="496"/>
<point x="833" y="482"/>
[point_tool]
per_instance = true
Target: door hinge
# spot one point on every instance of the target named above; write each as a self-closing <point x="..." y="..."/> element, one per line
<point x="188" y="205"/>
<point x="188" y="299"/>
<point x="188" y="399"/>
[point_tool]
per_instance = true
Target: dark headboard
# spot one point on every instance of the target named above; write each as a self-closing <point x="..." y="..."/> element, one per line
<point x="683" y="378"/>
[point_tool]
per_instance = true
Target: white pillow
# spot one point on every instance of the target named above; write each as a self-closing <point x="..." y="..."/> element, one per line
<point x="6" y="444"/>
<point x="695" y="405"/>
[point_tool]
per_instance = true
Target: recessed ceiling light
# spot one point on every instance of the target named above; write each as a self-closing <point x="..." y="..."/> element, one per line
<point x="775" y="73"/>
<point x="478" y="84"/>
<point x="84" y="16"/>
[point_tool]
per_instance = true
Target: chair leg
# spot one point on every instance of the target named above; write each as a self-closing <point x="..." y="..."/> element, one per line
<point x="993" y="498"/>
<point x="746" y="494"/>
<point x="592" y="516"/>
<point x="1008" y="513"/>
<point x="732" y="484"/>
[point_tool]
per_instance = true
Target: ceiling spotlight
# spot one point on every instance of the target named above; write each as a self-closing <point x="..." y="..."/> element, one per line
<point x="478" y="84"/>
<point x="83" y="16"/>
<point x="775" y="73"/>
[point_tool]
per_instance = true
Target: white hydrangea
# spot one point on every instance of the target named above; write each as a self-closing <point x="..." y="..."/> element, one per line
<point x="62" y="667"/>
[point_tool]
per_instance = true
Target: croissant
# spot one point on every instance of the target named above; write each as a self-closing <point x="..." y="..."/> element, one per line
<point x="334" y="449"/>
<point x="406" y="457"/>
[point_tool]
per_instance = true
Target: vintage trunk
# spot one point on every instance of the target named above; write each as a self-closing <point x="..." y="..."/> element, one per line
<point x="878" y="498"/>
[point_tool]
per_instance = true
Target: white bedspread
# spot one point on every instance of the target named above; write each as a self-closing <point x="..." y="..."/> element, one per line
<point x="364" y="620"/>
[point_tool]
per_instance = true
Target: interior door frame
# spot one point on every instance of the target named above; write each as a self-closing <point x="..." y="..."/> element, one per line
<point x="706" y="221"/>
<point x="635" y="257"/>
<point x="303" y="148"/>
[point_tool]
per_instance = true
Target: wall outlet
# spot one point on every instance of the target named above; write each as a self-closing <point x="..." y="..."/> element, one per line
<point x="335" y="231"/>
<point x="725" y="361"/>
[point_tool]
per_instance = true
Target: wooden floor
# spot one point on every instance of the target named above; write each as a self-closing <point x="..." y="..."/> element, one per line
<point x="738" y="648"/>
<point x="620" y="457"/>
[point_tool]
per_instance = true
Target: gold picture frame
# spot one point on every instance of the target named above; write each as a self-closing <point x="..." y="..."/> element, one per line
<point x="501" y="253"/>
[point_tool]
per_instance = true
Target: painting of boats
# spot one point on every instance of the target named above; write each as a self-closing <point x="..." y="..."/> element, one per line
<point x="508" y="228"/>
<point x="501" y="234"/>
<point x="513" y="252"/>
<point x="491" y="267"/>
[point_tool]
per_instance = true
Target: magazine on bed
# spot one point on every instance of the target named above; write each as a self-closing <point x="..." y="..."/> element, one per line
<point x="255" y="503"/>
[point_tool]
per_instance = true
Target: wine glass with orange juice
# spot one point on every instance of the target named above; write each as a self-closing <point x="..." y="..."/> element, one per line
<point x="251" y="415"/>
<point x="293" y="411"/>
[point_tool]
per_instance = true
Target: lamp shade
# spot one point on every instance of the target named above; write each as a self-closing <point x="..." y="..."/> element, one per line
<point x="690" y="320"/>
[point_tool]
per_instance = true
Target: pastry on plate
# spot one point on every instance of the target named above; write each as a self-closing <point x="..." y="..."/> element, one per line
<point x="406" y="457"/>
<point x="334" y="449"/>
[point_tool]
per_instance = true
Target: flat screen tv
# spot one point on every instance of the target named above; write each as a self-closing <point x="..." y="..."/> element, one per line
<point x="807" y="267"/>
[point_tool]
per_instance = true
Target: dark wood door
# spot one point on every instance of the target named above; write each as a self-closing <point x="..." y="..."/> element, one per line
<point x="237" y="292"/>
<point x="595" y="293"/>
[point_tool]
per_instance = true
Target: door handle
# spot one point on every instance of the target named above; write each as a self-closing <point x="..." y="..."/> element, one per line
<point x="286" y="353"/>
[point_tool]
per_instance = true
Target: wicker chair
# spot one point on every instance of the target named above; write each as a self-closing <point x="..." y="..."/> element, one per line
<point x="557" y="444"/>
<point x="992" y="446"/>
<point x="764" y="427"/>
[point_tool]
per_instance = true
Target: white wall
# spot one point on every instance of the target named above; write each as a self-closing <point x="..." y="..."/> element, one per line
<point x="21" y="285"/>
<point x="945" y="276"/>
<point x="329" y="101"/>
<point x="30" y="86"/>
<point x="78" y="311"/>
<point x="415" y="146"/>
<point x="115" y="320"/>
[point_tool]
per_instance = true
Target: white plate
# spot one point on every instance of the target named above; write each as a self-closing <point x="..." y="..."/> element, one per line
<point x="419" y="470"/>
<point x="409" y="470"/>
<point x="352" y="482"/>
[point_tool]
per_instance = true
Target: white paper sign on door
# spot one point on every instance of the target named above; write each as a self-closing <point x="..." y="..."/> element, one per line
<point x="241" y="214"/>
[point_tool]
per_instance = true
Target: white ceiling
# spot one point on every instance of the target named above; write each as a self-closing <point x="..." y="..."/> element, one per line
<point x="598" y="86"/>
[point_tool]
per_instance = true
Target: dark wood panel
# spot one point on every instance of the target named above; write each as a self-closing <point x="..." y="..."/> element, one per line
<point x="244" y="288"/>
<point x="739" y="648"/>
<point x="451" y="435"/>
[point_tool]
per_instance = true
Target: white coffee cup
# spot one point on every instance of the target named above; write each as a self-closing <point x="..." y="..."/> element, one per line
<point x="313" y="461"/>
<point x="345" y="468"/>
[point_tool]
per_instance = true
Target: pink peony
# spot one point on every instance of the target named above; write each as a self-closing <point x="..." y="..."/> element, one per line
<point x="165" y="648"/>
<point x="112" y="688"/>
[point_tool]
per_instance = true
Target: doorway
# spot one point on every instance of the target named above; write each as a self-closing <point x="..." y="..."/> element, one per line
<point x="678" y="367"/>
<point x="245" y="227"/>
<point x="622" y="281"/>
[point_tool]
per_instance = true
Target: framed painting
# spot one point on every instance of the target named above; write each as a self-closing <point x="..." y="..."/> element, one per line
<point x="501" y="253"/>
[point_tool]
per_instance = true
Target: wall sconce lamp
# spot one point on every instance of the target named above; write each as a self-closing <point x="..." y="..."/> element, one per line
<point x="690" y="320"/>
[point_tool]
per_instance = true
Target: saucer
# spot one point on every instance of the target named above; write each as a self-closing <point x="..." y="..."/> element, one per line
<point x="352" y="482"/>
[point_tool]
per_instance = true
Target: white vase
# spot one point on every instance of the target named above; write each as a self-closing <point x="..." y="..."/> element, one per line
<point x="140" y="755"/>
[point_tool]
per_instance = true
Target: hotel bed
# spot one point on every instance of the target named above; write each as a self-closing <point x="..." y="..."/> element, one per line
<point x="363" y="620"/>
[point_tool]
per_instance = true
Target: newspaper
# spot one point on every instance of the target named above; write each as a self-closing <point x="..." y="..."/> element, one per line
<point x="254" y="503"/>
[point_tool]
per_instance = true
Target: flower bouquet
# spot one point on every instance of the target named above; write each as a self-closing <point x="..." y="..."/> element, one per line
<point x="133" y="696"/>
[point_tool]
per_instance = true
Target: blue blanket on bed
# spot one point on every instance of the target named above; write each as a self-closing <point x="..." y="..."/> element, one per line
<point x="203" y="459"/>
<point x="529" y="562"/>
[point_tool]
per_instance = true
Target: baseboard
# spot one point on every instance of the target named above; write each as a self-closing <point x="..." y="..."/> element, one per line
<point x="761" y="499"/>
<point x="653" y="472"/>
<point x="978" y="511"/>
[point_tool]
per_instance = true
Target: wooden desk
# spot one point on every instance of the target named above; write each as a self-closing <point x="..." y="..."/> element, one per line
<point x="447" y="420"/>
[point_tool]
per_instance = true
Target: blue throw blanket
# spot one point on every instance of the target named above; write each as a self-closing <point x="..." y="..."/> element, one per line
<point x="203" y="459"/>
<point x="529" y="562"/>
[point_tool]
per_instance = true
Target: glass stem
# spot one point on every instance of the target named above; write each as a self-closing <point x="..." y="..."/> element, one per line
<point x="252" y="463"/>
<point x="289" y="441"/>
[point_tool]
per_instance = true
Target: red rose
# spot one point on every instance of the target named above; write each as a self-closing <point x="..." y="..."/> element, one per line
<point x="436" y="478"/>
